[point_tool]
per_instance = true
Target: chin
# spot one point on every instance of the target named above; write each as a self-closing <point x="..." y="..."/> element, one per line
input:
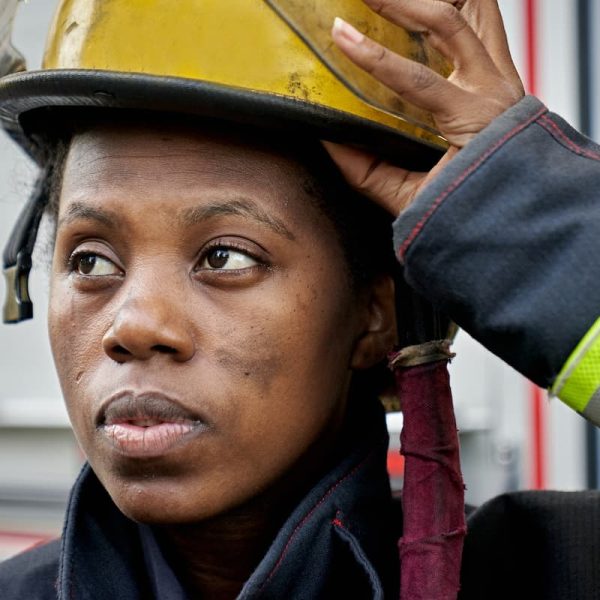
<point x="152" y="504"/>
<point x="174" y="499"/>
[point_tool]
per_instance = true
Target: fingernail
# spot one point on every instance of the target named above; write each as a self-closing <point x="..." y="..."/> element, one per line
<point x="348" y="32"/>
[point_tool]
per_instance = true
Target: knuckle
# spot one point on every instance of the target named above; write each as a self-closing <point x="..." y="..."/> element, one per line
<point x="420" y="77"/>
<point x="364" y="185"/>
<point x="368" y="182"/>
<point x="381" y="7"/>
<point x="379" y="55"/>
<point x="446" y="11"/>
<point x="448" y="18"/>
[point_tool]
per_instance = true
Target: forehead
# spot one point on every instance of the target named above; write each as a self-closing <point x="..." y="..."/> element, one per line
<point x="142" y="156"/>
<point x="143" y="175"/>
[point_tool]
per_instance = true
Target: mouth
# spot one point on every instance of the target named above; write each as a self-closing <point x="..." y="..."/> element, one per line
<point x="147" y="425"/>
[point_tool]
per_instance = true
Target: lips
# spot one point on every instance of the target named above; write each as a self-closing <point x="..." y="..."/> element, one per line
<point x="148" y="424"/>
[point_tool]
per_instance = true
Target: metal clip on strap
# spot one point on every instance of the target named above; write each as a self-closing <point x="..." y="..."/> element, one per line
<point x="18" y="306"/>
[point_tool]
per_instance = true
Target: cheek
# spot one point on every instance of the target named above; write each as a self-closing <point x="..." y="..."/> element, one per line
<point x="63" y="323"/>
<point x="75" y="334"/>
<point x="297" y="337"/>
<point x="291" y="363"/>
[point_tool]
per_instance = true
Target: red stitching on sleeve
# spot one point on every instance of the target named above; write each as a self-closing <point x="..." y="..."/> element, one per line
<point x="549" y="125"/>
<point x="310" y="514"/>
<point x="456" y="183"/>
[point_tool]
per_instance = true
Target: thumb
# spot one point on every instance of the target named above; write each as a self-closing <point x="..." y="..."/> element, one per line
<point x="388" y="185"/>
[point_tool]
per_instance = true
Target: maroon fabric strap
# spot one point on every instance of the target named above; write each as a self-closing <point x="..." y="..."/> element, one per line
<point x="433" y="493"/>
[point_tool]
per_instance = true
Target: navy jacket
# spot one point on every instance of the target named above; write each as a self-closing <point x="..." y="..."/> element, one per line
<point x="506" y="241"/>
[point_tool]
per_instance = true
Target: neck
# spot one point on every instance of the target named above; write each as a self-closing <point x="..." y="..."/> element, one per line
<point x="216" y="557"/>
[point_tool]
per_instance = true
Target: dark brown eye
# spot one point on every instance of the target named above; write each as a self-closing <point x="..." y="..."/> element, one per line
<point x="227" y="259"/>
<point x="94" y="265"/>
<point x="86" y="264"/>
<point x="218" y="258"/>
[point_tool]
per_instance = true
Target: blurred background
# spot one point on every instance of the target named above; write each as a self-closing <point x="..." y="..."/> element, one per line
<point x="512" y="436"/>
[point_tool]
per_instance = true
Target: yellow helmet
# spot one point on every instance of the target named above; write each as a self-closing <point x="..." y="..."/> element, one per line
<point x="263" y="62"/>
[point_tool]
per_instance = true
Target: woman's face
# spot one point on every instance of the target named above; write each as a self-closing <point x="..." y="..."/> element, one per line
<point x="201" y="317"/>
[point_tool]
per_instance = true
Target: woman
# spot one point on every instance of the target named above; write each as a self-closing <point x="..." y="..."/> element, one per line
<point x="215" y="400"/>
<point x="216" y="300"/>
<point x="212" y="309"/>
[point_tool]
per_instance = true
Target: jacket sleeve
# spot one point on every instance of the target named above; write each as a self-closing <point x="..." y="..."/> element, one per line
<point x="506" y="241"/>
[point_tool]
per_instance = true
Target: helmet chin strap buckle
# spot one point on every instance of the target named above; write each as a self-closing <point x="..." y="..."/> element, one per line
<point x="17" y="305"/>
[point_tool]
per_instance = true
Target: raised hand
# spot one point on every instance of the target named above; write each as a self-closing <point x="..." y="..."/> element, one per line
<point x="482" y="86"/>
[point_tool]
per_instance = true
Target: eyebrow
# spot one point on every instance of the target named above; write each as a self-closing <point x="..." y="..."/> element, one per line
<point x="242" y="207"/>
<point x="80" y="210"/>
<point x="189" y="217"/>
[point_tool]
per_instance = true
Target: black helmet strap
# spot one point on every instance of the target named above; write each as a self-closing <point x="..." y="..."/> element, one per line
<point x="17" y="255"/>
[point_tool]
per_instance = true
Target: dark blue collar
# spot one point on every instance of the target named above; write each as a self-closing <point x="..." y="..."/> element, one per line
<point x="163" y="580"/>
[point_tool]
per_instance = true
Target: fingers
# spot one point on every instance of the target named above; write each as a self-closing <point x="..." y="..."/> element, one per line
<point x="445" y="27"/>
<point x="411" y="80"/>
<point x="484" y="84"/>
<point x="418" y="15"/>
<point x="484" y="17"/>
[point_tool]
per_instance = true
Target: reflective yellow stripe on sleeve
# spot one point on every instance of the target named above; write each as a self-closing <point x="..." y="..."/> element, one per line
<point x="578" y="383"/>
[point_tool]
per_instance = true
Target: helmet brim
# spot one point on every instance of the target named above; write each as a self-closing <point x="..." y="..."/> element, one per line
<point x="36" y="92"/>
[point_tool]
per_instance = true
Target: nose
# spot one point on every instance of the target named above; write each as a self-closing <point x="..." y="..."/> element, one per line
<point x="147" y="326"/>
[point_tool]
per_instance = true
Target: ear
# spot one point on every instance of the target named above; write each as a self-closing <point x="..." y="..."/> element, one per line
<point x="378" y="334"/>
